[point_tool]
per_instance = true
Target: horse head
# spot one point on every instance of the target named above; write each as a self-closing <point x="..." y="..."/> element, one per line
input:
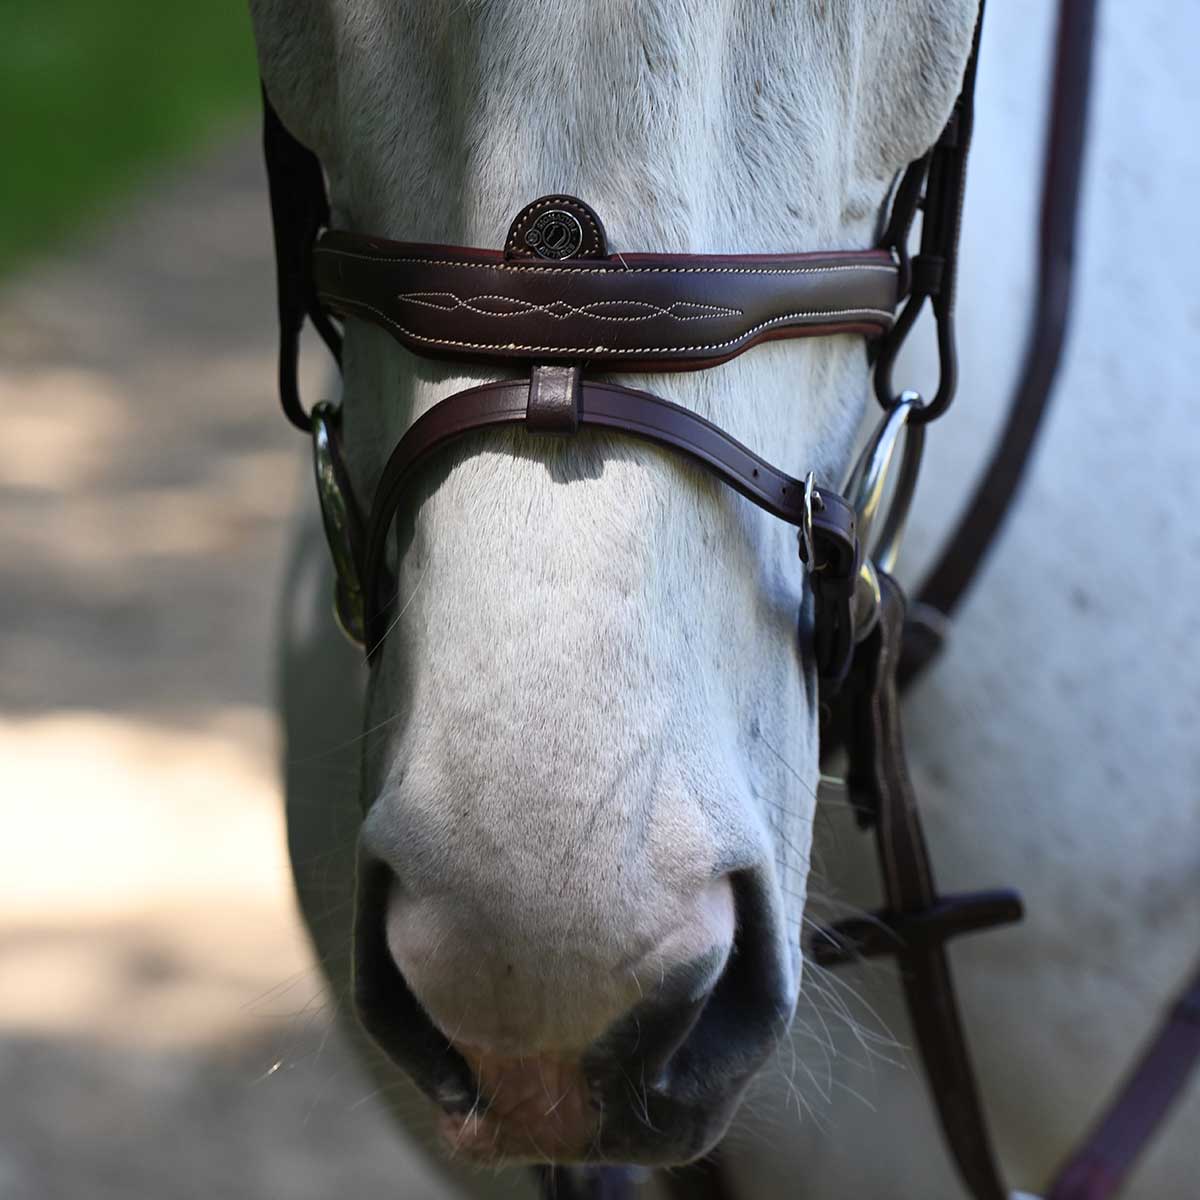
<point x="590" y="758"/>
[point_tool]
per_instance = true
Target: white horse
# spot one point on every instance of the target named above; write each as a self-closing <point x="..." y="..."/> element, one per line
<point x="589" y="755"/>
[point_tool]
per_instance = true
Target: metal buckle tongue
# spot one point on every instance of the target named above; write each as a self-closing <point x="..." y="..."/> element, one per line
<point x="866" y="488"/>
<point x="808" y="543"/>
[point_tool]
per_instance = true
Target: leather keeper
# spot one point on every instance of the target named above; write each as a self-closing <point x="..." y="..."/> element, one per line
<point x="553" y="399"/>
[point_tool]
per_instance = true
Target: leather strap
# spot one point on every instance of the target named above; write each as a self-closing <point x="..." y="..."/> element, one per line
<point x="652" y="419"/>
<point x="932" y="274"/>
<point x="1097" y="1170"/>
<point x="881" y="790"/>
<point x="885" y="931"/>
<point x="299" y="210"/>
<point x="629" y="312"/>
<point x="1062" y="174"/>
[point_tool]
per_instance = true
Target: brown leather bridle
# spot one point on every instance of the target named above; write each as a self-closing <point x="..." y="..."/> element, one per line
<point x="555" y="304"/>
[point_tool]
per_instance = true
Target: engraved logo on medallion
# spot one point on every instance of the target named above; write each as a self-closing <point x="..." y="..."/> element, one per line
<point x="555" y="234"/>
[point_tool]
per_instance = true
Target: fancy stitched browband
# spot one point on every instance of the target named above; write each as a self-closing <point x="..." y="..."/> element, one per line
<point x="630" y="312"/>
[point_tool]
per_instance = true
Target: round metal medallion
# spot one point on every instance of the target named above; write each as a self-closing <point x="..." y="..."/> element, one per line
<point x="556" y="233"/>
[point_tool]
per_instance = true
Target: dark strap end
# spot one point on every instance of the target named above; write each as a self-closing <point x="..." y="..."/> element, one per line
<point x="888" y="932"/>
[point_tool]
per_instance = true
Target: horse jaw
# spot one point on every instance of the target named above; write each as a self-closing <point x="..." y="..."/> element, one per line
<point x="594" y="701"/>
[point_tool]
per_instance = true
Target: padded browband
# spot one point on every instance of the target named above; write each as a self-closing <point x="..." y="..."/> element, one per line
<point x="630" y="311"/>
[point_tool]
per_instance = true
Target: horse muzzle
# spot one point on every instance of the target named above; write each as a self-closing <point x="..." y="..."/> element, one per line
<point x="657" y="1085"/>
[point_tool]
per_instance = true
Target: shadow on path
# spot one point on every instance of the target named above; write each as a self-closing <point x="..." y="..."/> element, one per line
<point x="163" y="1032"/>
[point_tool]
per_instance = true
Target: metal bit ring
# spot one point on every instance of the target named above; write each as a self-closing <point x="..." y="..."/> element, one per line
<point x="865" y="490"/>
<point x="340" y="520"/>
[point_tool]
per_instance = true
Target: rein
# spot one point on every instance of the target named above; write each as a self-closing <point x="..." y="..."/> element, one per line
<point x="554" y="303"/>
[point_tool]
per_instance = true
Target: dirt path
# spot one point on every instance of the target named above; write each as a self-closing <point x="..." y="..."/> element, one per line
<point x="162" y="1032"/>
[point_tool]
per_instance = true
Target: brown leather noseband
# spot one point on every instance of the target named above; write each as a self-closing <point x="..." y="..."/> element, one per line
<point x="557" y="401"/>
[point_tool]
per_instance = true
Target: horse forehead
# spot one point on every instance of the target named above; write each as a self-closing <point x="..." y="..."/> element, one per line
<point x="662" y="112"/>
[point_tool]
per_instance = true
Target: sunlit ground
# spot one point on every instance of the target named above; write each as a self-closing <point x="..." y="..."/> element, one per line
<point x="162" y="1030"/>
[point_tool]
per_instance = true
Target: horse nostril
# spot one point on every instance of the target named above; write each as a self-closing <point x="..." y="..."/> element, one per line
<point x="658" y="1026"/>
<point x="390" y="1012"/>
<point x="712" y="1025"/>
<point x="676" y="982"/>
<point x="505" y="970"/>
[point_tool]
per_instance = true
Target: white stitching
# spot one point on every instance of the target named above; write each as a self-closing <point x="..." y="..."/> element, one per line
<point x="425" y="299"/>
<point x="840" y="312"/>
<point x="888" y="268"/>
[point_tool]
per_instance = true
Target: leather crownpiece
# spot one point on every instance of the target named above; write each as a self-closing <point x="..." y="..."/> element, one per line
<point x="556" y="227"/>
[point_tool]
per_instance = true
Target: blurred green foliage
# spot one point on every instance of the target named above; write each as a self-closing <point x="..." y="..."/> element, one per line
<point x="93" y="93"/>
